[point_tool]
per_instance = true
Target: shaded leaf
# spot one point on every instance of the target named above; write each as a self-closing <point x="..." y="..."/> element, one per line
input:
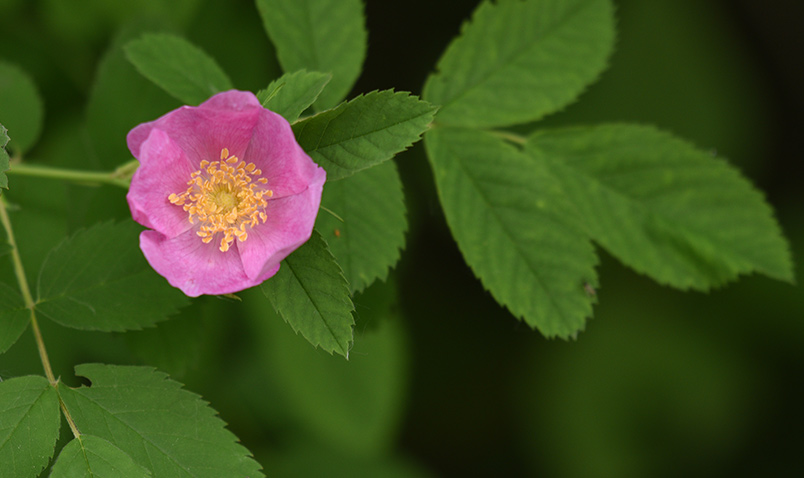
<point x="318" y="35"/>
<point x="517" y="61"/>
<point x="369" y="239"/>
<point x="29" y="425"/>
<point x="311" y="294"/>
<point x="292" y="93"/>
<point x="515" y="227"/>
<point x="177" y="66"/>
<point x="91" y="457"/>
<point x="21" y="109"/>
<point x="14" y="317"/>
<point x="365" y="131"/>
<point x="98" y="279"/>
<point x="162" y="427"/>
<point x="663" y="207"/>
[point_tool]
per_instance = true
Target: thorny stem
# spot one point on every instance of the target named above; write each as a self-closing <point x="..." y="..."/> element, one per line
<point x="120" y="177"/>
<point x="19" y="271"/>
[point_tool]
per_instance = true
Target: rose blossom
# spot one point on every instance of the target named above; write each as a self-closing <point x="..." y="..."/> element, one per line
<point x="225" y="191"/>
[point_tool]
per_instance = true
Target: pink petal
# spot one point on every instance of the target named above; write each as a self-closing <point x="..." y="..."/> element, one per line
<point x="289" y="225"/>
<point x="197" y="268"/>
<point x="224" y="121"/>
<point x="165" y="169"/>
<point x="273" y="149"/>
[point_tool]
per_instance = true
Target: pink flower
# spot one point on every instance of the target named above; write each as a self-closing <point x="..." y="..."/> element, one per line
<point x="225" y="191"/>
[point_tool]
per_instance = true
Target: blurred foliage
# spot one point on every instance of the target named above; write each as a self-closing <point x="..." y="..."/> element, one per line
<point x="660" y="384"/>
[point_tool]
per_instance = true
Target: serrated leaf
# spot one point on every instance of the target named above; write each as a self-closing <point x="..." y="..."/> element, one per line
<point x="3" y="158"/>
<point x="21" y="108"/>
<point x="663" y="207"/>
<point x="14" y="317"/>
<point x="515" y="227"/>
<point x="29" y="425"/>
<point x="319" y="35"/>
<point x="91" y="457"/>
<point x="98" y="279"/>
<point x="178" y="67"/>
<point x="365" y="131"/>
<point x="164" y="428"/>
<point x="311" y="294"/>
<point x="292" y="93"/>
<point x="369" y="232"/>
<point x="517" y="61"/>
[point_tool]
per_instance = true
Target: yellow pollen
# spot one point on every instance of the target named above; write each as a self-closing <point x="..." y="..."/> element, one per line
<point x="222" y="196"/>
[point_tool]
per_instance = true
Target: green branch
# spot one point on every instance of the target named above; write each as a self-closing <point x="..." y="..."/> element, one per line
<point x="120" y="177"/>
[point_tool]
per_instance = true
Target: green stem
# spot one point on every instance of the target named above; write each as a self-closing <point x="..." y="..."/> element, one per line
<point x="120" y="177"/>
<point x="19" y="271"/>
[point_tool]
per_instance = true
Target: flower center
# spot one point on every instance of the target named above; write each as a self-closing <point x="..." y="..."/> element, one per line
<point x="223" y="197"/>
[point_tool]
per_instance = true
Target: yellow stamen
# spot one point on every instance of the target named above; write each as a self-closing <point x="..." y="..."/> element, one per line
<point x="223" y="198"/>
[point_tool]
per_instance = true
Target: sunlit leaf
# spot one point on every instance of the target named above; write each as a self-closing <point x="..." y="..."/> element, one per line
<point x="369" y="230"/>
<point x="663" y="207"/>
<point x="29" y="425"/>
<point x="365" y="131"/>
<point x="517" y="61"/>
<point x="292" y="93"/>
<point x="162" y="427"/>
<point x="311" y="294"/>
<point x="91" y="457"/>
<point x="515" y="227"/>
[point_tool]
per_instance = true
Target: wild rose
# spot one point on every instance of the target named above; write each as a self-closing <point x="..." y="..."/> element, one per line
<point x="225" y="191"/>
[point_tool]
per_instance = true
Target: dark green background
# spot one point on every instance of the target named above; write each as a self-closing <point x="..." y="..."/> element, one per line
<point x="661" y="383"/>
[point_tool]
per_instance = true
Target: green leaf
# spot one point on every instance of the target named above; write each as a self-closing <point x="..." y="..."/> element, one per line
<point x="663" y="207"/>
<point x="91" y="457"/>
<point x="99" y="280"/>
<point x="14" y="317"/>
<point x="292" y="93"/>
<point x="21" y="108"/>
<point x="367" y="130"/>
<point x="29" y="425"/>
<point x="515" y="227"/>
<point x="177" y="66"/>
<point x="353" y="406"/>
<point x="168" y="430"/>
<point x="368" y="240"/>
<point x="3" y="158"/>
<point x="311" y="294"/>
<point x="517" y="61"/>
<point x="319" y="35"/>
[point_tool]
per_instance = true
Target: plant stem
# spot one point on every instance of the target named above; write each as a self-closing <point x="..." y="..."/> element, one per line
<point x="119" y="177"/>
<point x="19" y="271"/>
<point x="509" y="136"/>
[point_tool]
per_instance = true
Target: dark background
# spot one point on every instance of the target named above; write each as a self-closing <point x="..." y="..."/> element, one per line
<point x="661" y="383"/>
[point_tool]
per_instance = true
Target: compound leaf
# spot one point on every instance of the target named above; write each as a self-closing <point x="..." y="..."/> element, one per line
<point x="98" y="279"/>
<point x="517" y="61"/>
<point x="369" y="232"/>
<point x="177" y="66"/>
<point x="29" y="425"/>
<point x="663" y="207"/>
<point x="319" y="35"/>
<point x="515" y="227"/>
<point x="162" y="427"/>
<point x="312" y="295"/>
<point x="91" y="457"/>
<point x="292" y="93"/>
<point x="365" y="131"/>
